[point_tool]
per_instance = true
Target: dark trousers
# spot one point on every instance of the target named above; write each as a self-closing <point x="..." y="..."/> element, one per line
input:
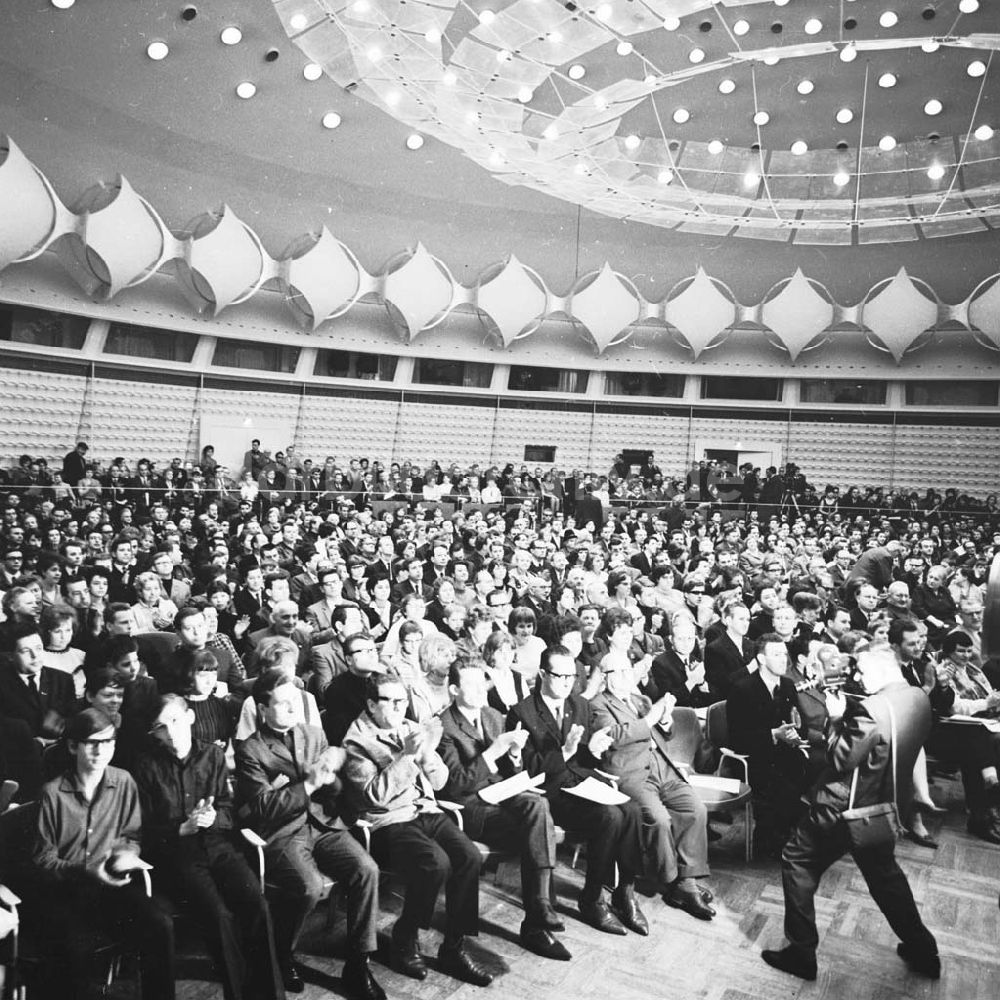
<point x="973" y="748"/>
<point x="613" y="835"/>
<point x="72" y="917"/>
<point x="808" y="854"/>
<point x="214" y="883"/>
<point x="429" y="852"/>
<point x="778" y="783"/>
<point x="296" y="867"/>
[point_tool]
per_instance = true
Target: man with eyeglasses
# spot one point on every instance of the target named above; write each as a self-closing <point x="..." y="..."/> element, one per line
<point x="345" y="695"/>
<point x="566" y="747"/>
<point x="499" y="603"/>
<point x="393" y="771"/>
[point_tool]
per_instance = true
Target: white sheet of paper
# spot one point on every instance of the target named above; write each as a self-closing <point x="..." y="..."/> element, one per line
<point x="992" y="725"/>
<point x="509" y="787"/>
<point x="731" y="786"/>
<point x="597" y="791"/>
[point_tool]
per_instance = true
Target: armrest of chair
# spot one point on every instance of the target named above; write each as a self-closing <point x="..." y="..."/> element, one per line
<point x="255" y="840"/>
<point x="740" y="758"/>
<point x="147" y="881"/>
<point x="9" y="898"/>
<point x="366" y="833"/>
<point x="454" y="809"/>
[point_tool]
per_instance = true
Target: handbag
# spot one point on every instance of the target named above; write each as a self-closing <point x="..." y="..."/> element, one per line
<point x="877" y="825"/>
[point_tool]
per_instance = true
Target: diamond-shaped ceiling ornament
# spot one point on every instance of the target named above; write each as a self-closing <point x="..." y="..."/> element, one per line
<point x="321" y="281"/>
<point x="605" y="306"/>
<point x="897" y="315"/>
<point x="797" y="315"/>
<point x="418" y="293"/>
<point x="512" y="303"/>
<point x="26" y="232"/>
<point x="701" y="313"/>
<point x="984" y="313"/>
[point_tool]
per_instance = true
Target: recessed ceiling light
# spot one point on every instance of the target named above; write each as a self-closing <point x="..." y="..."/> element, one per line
<point x="449" y="79"/>
<point x="751" y="179"/>
<point x="632" y="142"/>
<point x="715" y="147"/>
<point x="845" y="116"/>
<point x="814" y="26"/>
<point x="849" y="53"/>
<point x="935" y="172"/>
<point x="298" y="21"/>
<point x="887" y="144"/>
<point x="554" y="37"/>
<point x="414" y="141"/>
<point x="63" y="4"/>
<point x="157" y="51"/>
<point x="983" y="133"/>
<point x="432" y="35"/>
<point x="374" y="54"/>
<point x="600" y="101"/>
<point x="472" y="117"/>
<point x="696" y="55"/>
<point x="727" y="86"/>
<point x="551" y="131"/>
<point x="624" y="48"/>
<point x="246" y="90"/>
<point x="771" y="60"/>
<point x="929" y="45"/>
<point x="487" y="17"/>
<point x="805" y="87"/>
<point x="761" y="118"/>
<point x="331" y="119"/>
<point x="604" y="12"/>
<point x="933" y="107"/>
<point x="496" y="158"/>
<point x="503" y="55"/>
<point x="888" y="19"/>
<point x="682" y="115"/>
<point x="887" y="80"/>
<point x="976" y="68"/>
<point x="361" y="6"/>
<point x="799" y="147"/>
<point x="312" y="71"/>
<point x="576" y="72"/>
<point x="741" y="27"/>
<point x="841" y="178"/>
<point x="393" y="98"/>
<point x="665" y="176"/>
<point x="525" y="94"/>
<point x="968" y="6"/>
<point x="582" y="169"/>
<point x="231" y="35"/>
<point x="671" y="23"/>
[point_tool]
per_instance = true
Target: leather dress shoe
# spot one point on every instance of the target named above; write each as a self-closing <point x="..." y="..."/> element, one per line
<point x="690" y="902"/>
<point x="599" y="915"/>
<point x="791" y="961"/>
<point x="921" y="839"/>
<point x="455" y="961"/>
<point x="543" y="914"/>
<point x="542" y="942"/>
<point x="406" y="957"/>
<point x="627" y="910"/>
<point x="292" y="980"/>
<point x="358" y="981"/>
<point x="927" y="963"/>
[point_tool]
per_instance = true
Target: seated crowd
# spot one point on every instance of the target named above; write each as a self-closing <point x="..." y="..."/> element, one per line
<point x="181" y="660"/>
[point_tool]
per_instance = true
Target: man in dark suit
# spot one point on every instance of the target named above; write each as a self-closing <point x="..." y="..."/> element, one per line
<point x="670" y="806"/>
<point x="674" y="672"/>
<point x="565" y="747"/>
<point x="727" y="657"/>
<point x="588" y="508"/>
<point x="478" y="753"/>
<point x="866" y="602"/>
<point x="40" y="696"/>
<point x="123" y="571"/>
<point x="287" y="784"/>
<point x="860" y="743"/>
<point x="74" y="466"/>
<point x="759" y="714"/>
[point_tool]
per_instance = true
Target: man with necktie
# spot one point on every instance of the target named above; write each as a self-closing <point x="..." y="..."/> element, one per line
<point x="42" y="697"/>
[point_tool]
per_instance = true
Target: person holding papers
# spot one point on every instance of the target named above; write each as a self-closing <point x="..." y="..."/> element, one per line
<point x="564" y="747"/>
<point x="479" y="754"/>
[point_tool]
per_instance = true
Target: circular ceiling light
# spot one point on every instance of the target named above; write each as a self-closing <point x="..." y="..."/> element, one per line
<point x="805" y="87"/>
<point x="696" y="55"/>
<point x="929" y="45"/>
<point x="761" y="118"/>
<point x="600" y="102"/>
<point x="604" y="12"/>
<point x="624" y="48"/>
<point x="374" y="54"/>
<point x="576" y="72"/>
<point x="935" y="172"/>
<point x="632" y="142"/>
<point x="231" y="36"/>
<point x="554" y="37"/>
<point x="312" y="71"/>
<point x="432" y="35"/>
<point x="671" y="23"/>
<point x="551" y="131"/>
<point x="63" y="4"/>
<point x="715" y="147"/>
<point x="845" y="116"/>
<point x="799" y="147"/>
<point x="887" y="144"/>
<point x="841" y="178"/>
<point x="414" y="141"/>
<point x="246" y="90"/>
<point x="485" y="17"/>
<point x="681" y="115"/>
<point x="582" y="169"/>
<point x="665" y="176"/>
<point x="393" y="98"/>
<point x="888" y="19"/>
<point x="331" y="119"/>
<point x="361" y="6"/>
<point x="976" y="68"/>
<point x="751" y="179"/>
<point x="449" y="79"/>
<point x="983" y="133"/>
<point x="968" y="6"/>
<point x="814" y="26"/>
<point x="727" y="86"/>
<point x="741" y="27"/>
<point x="933" y="107"/>
<point x="497" y="158"/>
<point x="297" y="22"/>
<point x="849" y="53"/>
<point x="525" y="94"/>
<point x="771" y="60"/>
<point x="504" y="55"/>
<point x="887" y="80"/>
<point x="780" y="3"/>
<point x="157" y="51"/>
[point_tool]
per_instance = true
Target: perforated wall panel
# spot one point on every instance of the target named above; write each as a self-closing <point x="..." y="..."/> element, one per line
<point x="40" y="413"/>
<point x="343" y="426"/>
<point x="846" y="454"/>
<point x="460" y="434"/>
<point x="568" y="431"/>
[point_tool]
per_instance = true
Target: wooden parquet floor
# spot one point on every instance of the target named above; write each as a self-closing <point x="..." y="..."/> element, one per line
<point x="956" y="888"/>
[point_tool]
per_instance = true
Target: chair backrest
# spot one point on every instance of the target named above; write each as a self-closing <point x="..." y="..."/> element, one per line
<point x="17" y="841"/>
<point x="685" y="735"/>
<point x="716" y="725"/>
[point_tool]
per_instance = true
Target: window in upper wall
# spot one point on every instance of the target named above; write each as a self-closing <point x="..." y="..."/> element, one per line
<point x="468" y="374"/>
<point x="528" y="379"/>
<point x="351" y="364"/>
<point x="952" y="393"/>
<point x="764" y="390"/>
<point x="144" y="342"/>
<point x="260" y="357"/>
<point x="842" y="390"/>
<point x="41" y="328"/>
<point x="643" y="384"/>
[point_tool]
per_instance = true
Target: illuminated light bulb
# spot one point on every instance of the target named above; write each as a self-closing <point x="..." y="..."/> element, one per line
<point x="604" y="12"/>
<point x="432" y="35"/>
<point x="157" y="51"/>
<point x="930" y="45"/>
<point x="582" y="169"/>
<point x="600" y="101"/>
<point x="814" y="26"/>
<point x="727" y="86"/>
<point x="751" y="179"/>
<point x="449" y="79"/>
<point x="671" y="23"/>
<point x="331" y="119"/>
<point x="624" y="48"/>
<point x="841" y="178"/>
<point x="665" y="176"/>
<point x="374" y="54"/>
<point x="983" y="133"/>
<point x="887" y="80"/>
<point x="298" y="21"/>
<point x="650" y="79"/>
<point x="933" y="107"/>
<point x="496" y="158"/>
<point x="472" y="117"/>
<point x="231" y="36"/>
<point x="632" y="142"/>
<point x="935" y="172"/>
<point x="976" y="68"/>
<point x="682" y="115"/>
<point x="888" y="19"/>
<point x="741" y="27"/>
<point x="555" y="37"/>
<point x="361" y="6"/>
<point x="503" y="55"/>
<point x="799" y="147"/>
<point x="525" y="94"/>
<point x="551" y="131"/>
<point x="887" y="144"/>
<point x="968" y="6"/>
<point x="715" y="147"/>
<point x="848" y="53"/>
<point x="246" y="90"/>
<point x="414" y="141"/>
<point x="845" y="116"/>
<point x="393" y="98"/>
<point x="771" y="60"/>
<point x="761" y="118"/>
<point x="696" y="55"/>
<point x="312" y="71"/>
<point x="576" y="72"/>
<point x="487" y="17"/>
<point x="805" y="87"/>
